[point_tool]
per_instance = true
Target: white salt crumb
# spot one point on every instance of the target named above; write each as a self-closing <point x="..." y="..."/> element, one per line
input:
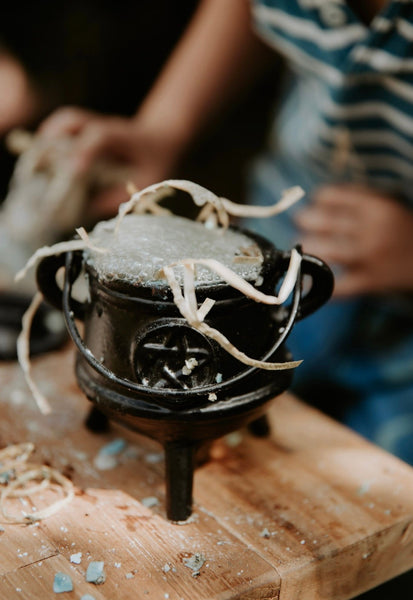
<point x="150" y="501"/>
<point x="212" y="397"/>
<point x="17" y="397"/>
<point x="118" y="565"/>
<point x="166" y="568"/>
<point x="64" y="529"/>
<point x="76" y="558"/>
<point x="195" y="562"/>
<point x="130" y="575"/>
<point x="265" y="533"/>
<point x="105" y="462"/>
<point x="189" y="366"/>
<point x="364" y="488"/>
<point x="79" y="454"/>
<point x="302" y="542"/>
<point x="154" y="457"/>
<point x="233" y="439"/>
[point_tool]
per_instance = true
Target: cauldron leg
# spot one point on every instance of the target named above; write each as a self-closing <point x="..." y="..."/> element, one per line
<point x="97" y="421"/>
<point x="179" y="475"/>
<point x="260" y="427"/>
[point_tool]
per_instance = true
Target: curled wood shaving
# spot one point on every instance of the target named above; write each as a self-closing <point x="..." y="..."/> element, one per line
<point x="43" y="477"/>
<point x="188" y="306"/>
<point x="16" y="453"/>
<point x="23" y="353"/>
<point x="288" y="198"/>
<point x="23" y="341"/>
<point x="215" y="209"/>
<point x="59" y="248"/>
<point x="238" y="282"/>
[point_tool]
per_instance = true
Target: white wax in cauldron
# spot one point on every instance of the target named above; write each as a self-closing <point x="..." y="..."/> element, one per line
<point x="145" y="244"/>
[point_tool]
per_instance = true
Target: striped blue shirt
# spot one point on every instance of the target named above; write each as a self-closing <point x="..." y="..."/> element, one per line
<point x="350" y="109"/>
<point x="347" y="116"/>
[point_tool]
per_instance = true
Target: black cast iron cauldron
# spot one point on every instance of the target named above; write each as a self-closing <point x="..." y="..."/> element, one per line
<point x="131" y="361"/>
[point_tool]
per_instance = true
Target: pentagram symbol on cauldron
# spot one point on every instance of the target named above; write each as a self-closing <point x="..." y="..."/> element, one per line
<point x="174" y="355"/>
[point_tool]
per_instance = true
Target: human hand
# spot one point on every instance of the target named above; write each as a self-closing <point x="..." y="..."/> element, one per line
<point x="366" y="234"/>
<point x="145" y="156"/>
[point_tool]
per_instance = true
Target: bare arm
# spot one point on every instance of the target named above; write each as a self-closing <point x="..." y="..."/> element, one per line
<point x="217" y="59"/>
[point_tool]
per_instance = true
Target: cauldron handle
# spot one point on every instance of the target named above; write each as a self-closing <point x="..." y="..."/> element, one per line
<point x="46" y="280"/>
<point x="322" y="283"/>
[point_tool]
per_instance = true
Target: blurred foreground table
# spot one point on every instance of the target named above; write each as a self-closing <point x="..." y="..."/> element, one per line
<point x="313" y="512"/>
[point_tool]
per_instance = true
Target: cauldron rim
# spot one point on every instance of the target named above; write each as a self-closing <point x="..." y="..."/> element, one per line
<point x="219" y="290"/>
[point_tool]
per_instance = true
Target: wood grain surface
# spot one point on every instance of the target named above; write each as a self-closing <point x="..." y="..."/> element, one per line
<point x="313" y="512"/>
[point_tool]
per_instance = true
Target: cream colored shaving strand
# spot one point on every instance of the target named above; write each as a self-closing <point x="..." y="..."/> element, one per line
<point x="15" y="454"/>
<point x="23" y="341"/>
<point x="13" y="459"/>
<point x="23" y="353"/>
<point x="187" y="303"/>
<point x="220" y="207"/>
<point x="288" y="198"/>
<point x="59" y="248"/>
<point x="239" y="283"/>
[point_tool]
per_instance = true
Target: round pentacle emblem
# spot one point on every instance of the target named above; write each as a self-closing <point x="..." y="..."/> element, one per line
<point x="171" y="354"/>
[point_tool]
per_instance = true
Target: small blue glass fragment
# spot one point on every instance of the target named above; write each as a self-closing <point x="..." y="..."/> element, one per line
<point x="62" y="583"/>
<point x="114" y="447"/>
<point x="95" y="572"/>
